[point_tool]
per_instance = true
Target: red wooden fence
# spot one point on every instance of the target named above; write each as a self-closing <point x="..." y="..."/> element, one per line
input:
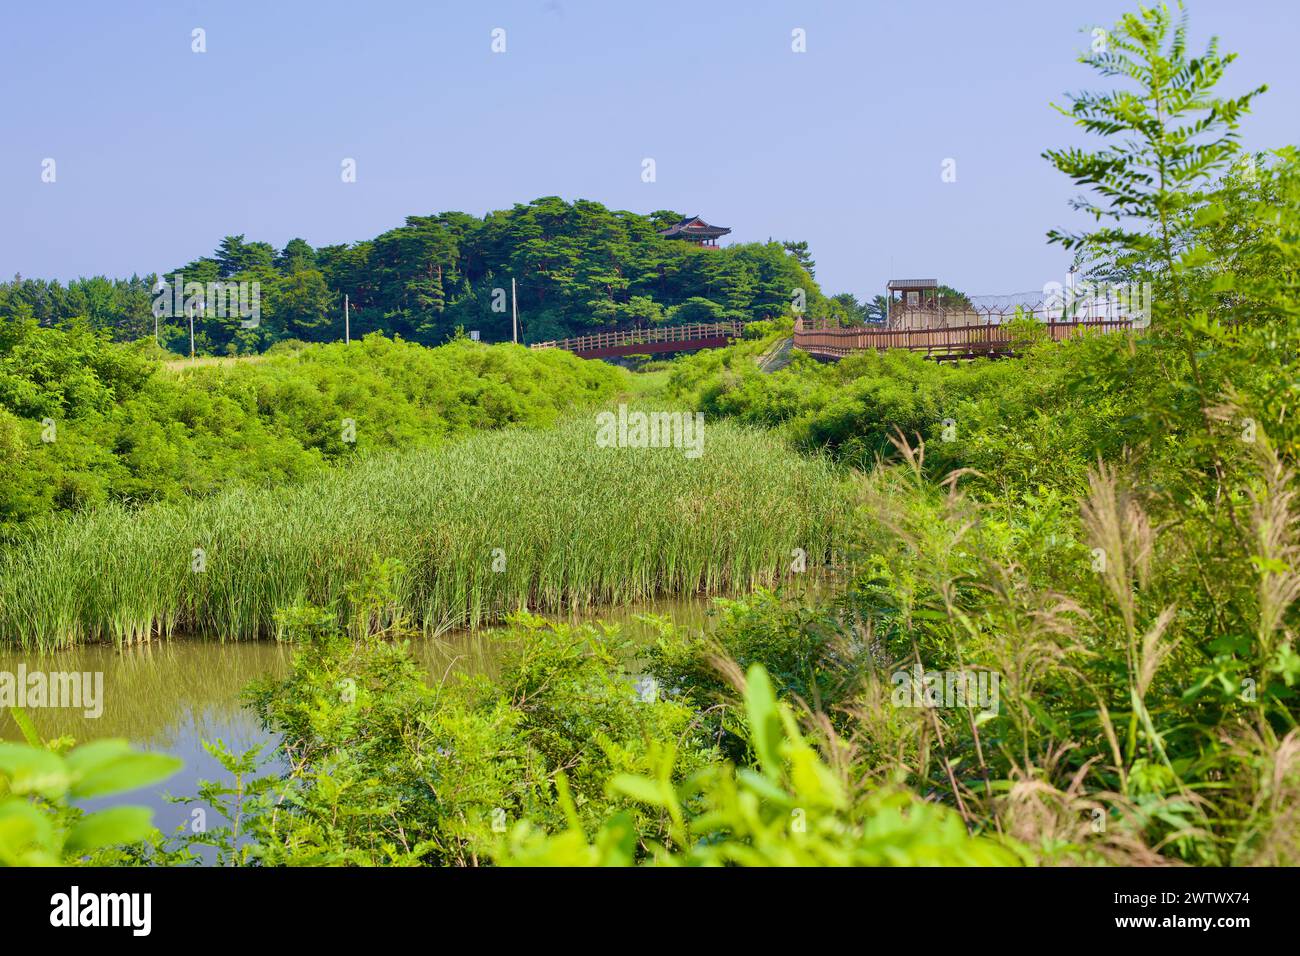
<point x="663" y="338"/>
<point x="956" y="342"/>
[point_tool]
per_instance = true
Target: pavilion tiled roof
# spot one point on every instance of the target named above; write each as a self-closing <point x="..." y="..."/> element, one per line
<point x="693" y="227"/>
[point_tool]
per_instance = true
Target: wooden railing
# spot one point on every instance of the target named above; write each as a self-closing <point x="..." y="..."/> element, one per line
<point x="658" y="335"/>
<point x="954" y="342"/>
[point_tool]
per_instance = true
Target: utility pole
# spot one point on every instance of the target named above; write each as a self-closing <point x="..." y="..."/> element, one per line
<point x="193" y="309"/>
<point x="158" y="287"/>
<point x="347" y="325"/>
<point x="514" y="310"/>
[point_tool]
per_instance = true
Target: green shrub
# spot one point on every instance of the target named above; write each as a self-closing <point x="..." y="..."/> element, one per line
<point x="389" y="770"/>
<point x="790" y="808"/>
<point x="125" y="429"/>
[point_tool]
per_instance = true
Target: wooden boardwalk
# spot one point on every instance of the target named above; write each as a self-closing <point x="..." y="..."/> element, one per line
<point x="829" y="342"/>
<point x="956" y="342"/>
<point x="663" y="338"/>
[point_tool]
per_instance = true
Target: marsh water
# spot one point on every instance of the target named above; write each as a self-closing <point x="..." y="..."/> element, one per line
<point x="173" y="695"/>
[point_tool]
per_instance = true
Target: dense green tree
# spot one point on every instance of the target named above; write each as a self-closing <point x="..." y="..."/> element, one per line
<point x="305" y="307"/>
<point x="800" y="252"/>
<point x="577" y="266"/>
<point x="296" y="255"/>
<point x="234" y="256"/>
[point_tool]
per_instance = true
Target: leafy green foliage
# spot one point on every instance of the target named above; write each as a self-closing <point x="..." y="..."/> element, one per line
<point x="40" y="826"/>
<point x="790" y="808"/>
<point x="385" y="769"/>
<point x="126" y="429"/>
<point x="247" y="789"/>
<point x="1086" y="397"/>
<point x="1164" y="141"/>
<point x="514" y="768"/>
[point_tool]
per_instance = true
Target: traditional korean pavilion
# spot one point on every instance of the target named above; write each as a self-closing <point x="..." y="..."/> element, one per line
<point x="696" y="230"/>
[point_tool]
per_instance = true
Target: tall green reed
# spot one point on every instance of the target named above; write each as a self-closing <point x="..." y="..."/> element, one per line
<point x="543" y="519"/>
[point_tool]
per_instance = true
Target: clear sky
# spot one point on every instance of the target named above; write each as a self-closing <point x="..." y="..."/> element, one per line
<point x="161" y="151"/>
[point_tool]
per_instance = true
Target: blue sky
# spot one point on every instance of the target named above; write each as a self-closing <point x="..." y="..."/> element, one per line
<point x="161" y="151"/>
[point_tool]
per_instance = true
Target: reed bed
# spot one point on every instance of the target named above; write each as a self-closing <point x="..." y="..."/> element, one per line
<point x="578" y="525"/>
